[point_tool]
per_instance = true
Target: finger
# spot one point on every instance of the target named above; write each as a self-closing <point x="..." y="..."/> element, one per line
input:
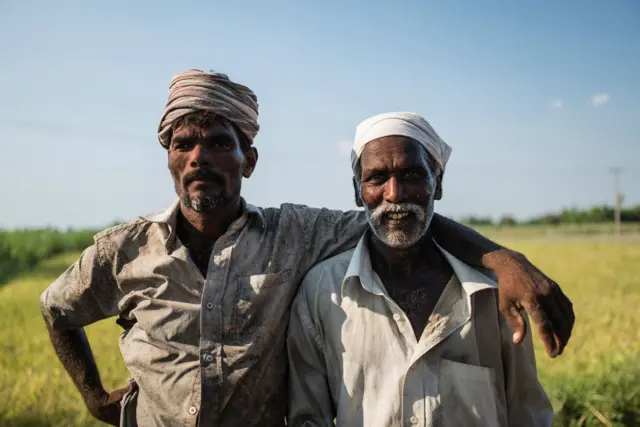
<point x="117" y="395"/>
<point x="514" y="318"/>
<point x="553" y="307"/>
<point x="564" y="328"/>
<point x="543" y="325"/>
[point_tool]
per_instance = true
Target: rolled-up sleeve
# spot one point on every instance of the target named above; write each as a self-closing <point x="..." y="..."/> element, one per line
<point x="310" y="402"/>
<point x="527" y="403"/>
<point x="85" y="293"/>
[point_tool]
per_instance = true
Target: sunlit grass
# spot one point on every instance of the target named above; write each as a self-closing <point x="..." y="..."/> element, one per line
<point x="598" y="369"/>
<point x="34" y="387"/>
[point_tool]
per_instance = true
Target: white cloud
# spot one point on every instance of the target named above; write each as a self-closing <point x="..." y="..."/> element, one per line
<point x="600" y="99"/>
<point x="344" y="147"/>
<point x="556" y="104"/>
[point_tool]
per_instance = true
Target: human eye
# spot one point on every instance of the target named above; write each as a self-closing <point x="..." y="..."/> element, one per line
<point x="377" y="178"/>
<point x="414" y="174"/>
<point x="223" y="143"/>
<point x="182" y="145"/>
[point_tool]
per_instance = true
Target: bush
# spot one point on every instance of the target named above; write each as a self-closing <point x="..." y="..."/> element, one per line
<point x="507" y="221"/>
<point x="23" y="249"/>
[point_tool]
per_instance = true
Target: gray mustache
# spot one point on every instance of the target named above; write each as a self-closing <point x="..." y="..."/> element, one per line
<point x="386" y="208"/>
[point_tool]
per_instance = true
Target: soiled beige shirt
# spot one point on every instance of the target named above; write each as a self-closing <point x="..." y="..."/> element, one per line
<point x="209" y="348"/>
<point x="354" y="356"/>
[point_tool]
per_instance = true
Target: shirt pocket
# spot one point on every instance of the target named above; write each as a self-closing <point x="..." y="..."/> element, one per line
<point x="467" y="395"/>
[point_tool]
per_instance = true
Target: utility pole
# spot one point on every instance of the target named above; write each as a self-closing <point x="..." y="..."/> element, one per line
<point x="616" y="176"/>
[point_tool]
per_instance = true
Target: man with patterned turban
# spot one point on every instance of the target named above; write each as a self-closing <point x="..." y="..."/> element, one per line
<point x="399" y="331"/>
<point x="203" y="288"/>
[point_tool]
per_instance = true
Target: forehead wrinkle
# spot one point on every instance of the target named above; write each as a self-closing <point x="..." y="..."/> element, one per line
<point x="218" y="128"/>
<point x="390" y="152"/>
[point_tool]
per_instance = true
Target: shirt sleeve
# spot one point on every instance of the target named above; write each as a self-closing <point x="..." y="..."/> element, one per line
<point x="85" y="293"/>
<point x="527" y="403"/>
<point x="310" y="403"/>
<point x="327" y="232"/>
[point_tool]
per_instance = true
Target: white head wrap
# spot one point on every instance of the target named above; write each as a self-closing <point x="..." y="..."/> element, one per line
<point x="411" y="125"/>
<point x="194" y="91"/>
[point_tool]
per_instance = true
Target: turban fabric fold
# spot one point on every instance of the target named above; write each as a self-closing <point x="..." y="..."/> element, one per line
<point x="198" y="91"/>
<point x="411" y="125"/>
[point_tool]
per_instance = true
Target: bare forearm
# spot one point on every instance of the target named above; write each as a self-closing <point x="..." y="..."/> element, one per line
<point x="466" y="244"/>
<point x="74" y="352"/>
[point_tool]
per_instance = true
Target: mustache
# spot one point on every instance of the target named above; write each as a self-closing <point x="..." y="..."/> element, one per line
<point x="203" y="175"/>
<point x="385" y="208"/>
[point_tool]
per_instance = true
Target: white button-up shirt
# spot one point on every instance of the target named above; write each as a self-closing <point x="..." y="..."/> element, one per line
<point x="354" y="356"/>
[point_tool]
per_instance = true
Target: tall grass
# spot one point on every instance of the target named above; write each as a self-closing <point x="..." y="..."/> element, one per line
<point x="595" y="382"/>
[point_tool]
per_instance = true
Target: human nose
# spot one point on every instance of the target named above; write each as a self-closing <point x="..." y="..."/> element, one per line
<point x="199" y="157"/>
<point x="394" y="191"/>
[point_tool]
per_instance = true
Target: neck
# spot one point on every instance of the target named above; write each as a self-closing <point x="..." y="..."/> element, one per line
<point x="206" y="227"/>
<point x="402" y="262"/>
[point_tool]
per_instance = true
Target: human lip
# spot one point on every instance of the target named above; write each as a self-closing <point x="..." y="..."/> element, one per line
<point x="202" y="181"/>
<point x="396" y="216"/>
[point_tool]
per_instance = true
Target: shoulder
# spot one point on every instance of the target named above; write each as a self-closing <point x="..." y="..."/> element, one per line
<point x="123" y="229"/>
<point x="326" y="277"/>
<point x="118" y="234"/>
<point x="301" y="218"/>
<point x="305" y="212"/>
<point x="141" y="231"/>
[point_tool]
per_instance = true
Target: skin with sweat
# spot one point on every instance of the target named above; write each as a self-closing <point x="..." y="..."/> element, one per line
<point x="207" y="165"/>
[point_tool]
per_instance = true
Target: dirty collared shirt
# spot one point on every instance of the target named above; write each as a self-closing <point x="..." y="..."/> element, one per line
<point x="354" y="355"/>
<point x="202" y="348"/>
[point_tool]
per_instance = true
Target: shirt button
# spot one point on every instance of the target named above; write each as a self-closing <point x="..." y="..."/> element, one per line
<point x="208" y="358"/>
<point x="414" y="420"/>
<point x="396" y="317"/>
<point x="193" y="410"/>
<point x="209" y="305"/>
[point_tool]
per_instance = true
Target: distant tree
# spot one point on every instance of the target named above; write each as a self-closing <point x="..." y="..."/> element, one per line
<point x="507" y="221"/>
<point x="630" y="214"/>
<point x="477" y="221"/>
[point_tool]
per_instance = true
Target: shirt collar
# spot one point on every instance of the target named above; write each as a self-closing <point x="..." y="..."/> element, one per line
<point x="471" y="279"/>
<point x="165" y="216"/>
<point x="168" y="217"/>
<point x="360" y="266"/>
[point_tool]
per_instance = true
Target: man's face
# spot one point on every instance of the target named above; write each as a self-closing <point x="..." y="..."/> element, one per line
<point x="207" y="165"/>
<point x="398" y="190"/>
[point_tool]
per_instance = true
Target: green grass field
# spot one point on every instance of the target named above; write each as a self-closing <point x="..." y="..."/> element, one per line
<point x="595" y="382"/>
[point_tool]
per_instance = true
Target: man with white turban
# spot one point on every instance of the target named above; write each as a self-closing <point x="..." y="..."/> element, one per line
<point x="203" y="288"/>
<point x="398" y="331"/>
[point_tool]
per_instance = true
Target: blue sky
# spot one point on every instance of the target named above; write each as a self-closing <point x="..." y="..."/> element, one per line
<point x="537" y="99"/>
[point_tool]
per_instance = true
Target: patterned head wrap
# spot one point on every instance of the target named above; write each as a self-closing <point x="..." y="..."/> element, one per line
<point x="198" y="91"/>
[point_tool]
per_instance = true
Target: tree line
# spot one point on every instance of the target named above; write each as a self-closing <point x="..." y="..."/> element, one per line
<point x="23" y="249"/>
<point x="593" y="215"/>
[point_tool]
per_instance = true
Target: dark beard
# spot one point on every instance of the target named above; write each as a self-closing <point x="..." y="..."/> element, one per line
<point x="203" y="204"/>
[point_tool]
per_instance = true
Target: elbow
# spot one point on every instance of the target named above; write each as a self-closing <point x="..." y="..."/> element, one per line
<point x="45" y="310"/>
<point x="43" y="305"/>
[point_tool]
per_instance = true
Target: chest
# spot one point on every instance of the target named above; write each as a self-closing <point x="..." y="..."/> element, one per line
<point x="226" y="293"/>
<point x="417" y="296"/>
<point x="446" y="378"/>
